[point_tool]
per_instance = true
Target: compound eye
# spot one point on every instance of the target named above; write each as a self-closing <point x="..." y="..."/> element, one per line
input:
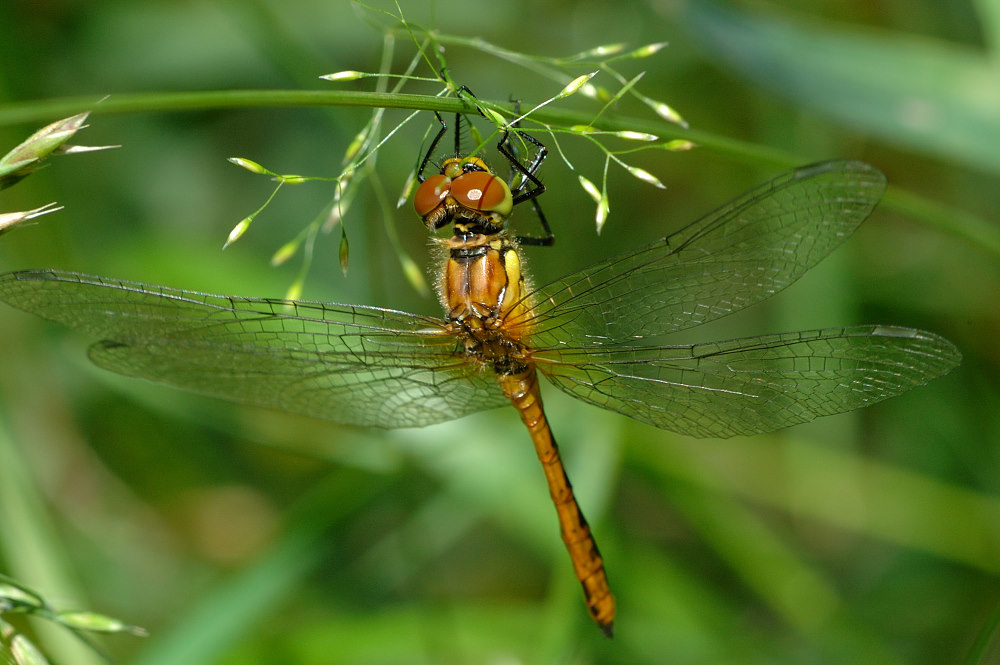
<point x="483" y="191"/>
<point x="431" y="193"/>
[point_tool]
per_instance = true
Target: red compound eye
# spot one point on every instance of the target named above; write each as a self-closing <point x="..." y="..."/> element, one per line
<point x="431" y="193"/>
<point x="482" y="191"/>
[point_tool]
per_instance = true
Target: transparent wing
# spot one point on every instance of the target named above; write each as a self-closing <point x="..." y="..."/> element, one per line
<point x="349" y="364"/>
<point x="738" y="255"/>
<point x="755" y="384"/>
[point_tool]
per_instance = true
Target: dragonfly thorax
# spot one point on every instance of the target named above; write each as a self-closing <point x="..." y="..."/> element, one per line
<point x="482" y="281"/>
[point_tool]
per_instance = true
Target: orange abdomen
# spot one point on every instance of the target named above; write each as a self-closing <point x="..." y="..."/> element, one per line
<point x="522" y="389"/>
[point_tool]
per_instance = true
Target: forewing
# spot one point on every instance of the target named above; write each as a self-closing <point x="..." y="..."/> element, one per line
<point x="348" y="364"/>
<point x="734" y="257"/>
<point x="752" y="385"/>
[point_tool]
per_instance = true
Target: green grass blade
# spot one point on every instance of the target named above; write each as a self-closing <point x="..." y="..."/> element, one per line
<point x="933" y="97"/>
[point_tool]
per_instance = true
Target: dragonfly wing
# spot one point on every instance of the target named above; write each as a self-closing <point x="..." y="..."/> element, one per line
<point x="348" y="364"/>
<point x="743" y="253"/>
<point x="752" y="385"/>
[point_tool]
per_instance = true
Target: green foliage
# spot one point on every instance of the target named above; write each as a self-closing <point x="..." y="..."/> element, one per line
<point x="17" y="599"/>
<point x="23" y="160"/>
<point x="238" y="536"/>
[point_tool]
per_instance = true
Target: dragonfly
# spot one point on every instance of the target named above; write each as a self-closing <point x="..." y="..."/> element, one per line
<point x="595" y="334"/>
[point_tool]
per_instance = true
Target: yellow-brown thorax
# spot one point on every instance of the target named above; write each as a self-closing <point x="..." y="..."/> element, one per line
<point x="482" y="282"/>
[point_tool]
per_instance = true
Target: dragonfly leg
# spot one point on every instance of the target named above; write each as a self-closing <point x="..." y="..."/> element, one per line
<point x="528" y="187"/>
<point x="433" y="146"/>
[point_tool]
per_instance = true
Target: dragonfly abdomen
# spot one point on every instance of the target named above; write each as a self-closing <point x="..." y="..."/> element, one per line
<point x="522" y="390"/>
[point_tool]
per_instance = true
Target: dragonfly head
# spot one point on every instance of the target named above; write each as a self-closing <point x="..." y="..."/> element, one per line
<point x="466" y="191"/>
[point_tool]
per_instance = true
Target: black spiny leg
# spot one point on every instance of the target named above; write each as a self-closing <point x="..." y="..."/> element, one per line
<point x="434" y="144"/>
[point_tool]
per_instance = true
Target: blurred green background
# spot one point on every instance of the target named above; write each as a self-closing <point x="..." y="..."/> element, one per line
<point x="236" y="536"/>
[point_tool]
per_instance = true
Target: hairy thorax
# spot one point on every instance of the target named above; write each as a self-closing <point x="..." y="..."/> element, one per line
<point x="482" y="290"/>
